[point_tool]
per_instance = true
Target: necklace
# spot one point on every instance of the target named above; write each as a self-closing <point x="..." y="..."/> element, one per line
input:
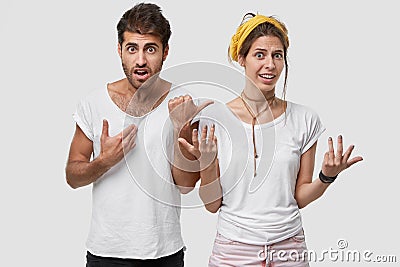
<point x="253" y="121"/>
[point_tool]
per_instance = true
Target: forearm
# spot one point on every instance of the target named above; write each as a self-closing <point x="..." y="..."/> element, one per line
<point x="186" y="181"/>
<point x="81" y="173"/>
<point x="185" y="169"/>
<point x="309" y="192"/>
<point x="210" y="188"/>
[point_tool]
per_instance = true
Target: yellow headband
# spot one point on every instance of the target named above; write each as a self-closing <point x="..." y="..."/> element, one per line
<point x="246" y="28"/>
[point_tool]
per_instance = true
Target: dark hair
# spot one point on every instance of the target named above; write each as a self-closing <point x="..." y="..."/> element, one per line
<point x="144" y="18"/>
<point x="265" y="29"/>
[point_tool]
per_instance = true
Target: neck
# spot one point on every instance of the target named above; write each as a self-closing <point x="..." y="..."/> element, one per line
<point x="258" y="100"/>
<point x="148" y="96"/>
<point x="254" y="94"/>
<point x="149" y="91"/>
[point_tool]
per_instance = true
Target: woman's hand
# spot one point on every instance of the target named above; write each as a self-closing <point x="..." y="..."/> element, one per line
<point x="205" y="149"/>
<point x="333" y="163"/>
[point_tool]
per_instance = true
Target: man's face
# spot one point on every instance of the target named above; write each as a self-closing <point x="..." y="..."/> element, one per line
<point x="142" y="56"/>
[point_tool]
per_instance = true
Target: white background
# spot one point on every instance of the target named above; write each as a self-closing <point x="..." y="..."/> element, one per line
<point x="343" y="63"/>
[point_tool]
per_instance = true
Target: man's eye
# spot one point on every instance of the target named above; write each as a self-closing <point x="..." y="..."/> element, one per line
<point x="131" y="49"/>
<point x="151" y="50"/>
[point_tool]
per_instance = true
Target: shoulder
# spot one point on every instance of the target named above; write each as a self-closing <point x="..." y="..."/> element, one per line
<point x="299" y="110"/>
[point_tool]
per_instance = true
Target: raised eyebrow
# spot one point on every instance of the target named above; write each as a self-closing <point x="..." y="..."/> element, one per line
<point x="265" y="50"/>
<point x="151" y="44"/>
<point x="131" y="44"/>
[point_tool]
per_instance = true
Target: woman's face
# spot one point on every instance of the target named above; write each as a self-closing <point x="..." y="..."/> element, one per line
<point x="264" y="62"/>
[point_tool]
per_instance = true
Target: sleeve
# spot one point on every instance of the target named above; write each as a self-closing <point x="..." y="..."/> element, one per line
<point x="82" y="117"/>
<point x="314" y="130"/>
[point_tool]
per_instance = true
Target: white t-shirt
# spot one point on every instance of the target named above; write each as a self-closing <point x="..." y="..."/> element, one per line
<point x="261" y="210"/>
<point x="135" y="205"/>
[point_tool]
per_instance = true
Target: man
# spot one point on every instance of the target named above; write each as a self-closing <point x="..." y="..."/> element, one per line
<point x="135" y="213"/>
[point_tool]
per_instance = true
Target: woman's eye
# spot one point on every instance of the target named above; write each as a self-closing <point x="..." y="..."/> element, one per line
<point x="278" y="56"/>
<point x="259" y="55"/>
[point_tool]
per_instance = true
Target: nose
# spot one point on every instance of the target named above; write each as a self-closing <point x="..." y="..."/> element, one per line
<point x="269" y="62"/>
<point x="141" y="60"/>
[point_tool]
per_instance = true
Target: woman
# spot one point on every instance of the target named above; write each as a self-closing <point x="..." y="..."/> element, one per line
<point x="261" y="187"/>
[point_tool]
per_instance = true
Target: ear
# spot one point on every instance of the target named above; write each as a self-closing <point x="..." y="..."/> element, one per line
<point x="119" y="50"/>
<point x="241" y="60"/>
<point x="165" y="54"/>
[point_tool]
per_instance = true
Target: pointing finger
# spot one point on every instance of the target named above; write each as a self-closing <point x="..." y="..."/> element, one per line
<point x="203" y="105"/>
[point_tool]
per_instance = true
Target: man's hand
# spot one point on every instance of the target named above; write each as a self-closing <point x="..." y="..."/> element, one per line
<point x="185" y="169"/>
<point x="182" y="110"/>
<point x="114" y="148"/>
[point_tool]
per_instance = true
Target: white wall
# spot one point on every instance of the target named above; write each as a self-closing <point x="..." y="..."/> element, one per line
<point x="343" y="64"/>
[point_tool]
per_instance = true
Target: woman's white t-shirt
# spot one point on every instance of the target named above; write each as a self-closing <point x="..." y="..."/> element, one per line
<point x="261" y="210"/>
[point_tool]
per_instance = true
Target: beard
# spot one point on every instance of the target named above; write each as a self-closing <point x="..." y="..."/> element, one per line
<point x="137" y="83"/>
<point x="147" y="93"/>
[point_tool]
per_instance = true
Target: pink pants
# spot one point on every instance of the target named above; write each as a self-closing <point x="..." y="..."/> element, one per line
<point x="290" y="252"/>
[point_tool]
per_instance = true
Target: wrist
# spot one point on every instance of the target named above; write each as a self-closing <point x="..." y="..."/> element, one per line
<point x="183" y="131"/>
<point x="102" y="163"/>
<point x="207" y="165"/>
<point x="327" y="179"/>
<point x="208" y="173"/>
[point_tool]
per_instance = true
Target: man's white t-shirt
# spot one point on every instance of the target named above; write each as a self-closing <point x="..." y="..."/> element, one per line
<point x="261" y="210"/>
<point x="135" y="205"/>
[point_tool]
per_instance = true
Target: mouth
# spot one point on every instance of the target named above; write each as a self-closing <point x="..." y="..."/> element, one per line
<point x="141" y="74"/>
<point x="267" y="76"/>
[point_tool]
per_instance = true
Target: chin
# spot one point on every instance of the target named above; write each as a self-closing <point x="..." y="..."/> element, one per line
<point x="265" y="89"/>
